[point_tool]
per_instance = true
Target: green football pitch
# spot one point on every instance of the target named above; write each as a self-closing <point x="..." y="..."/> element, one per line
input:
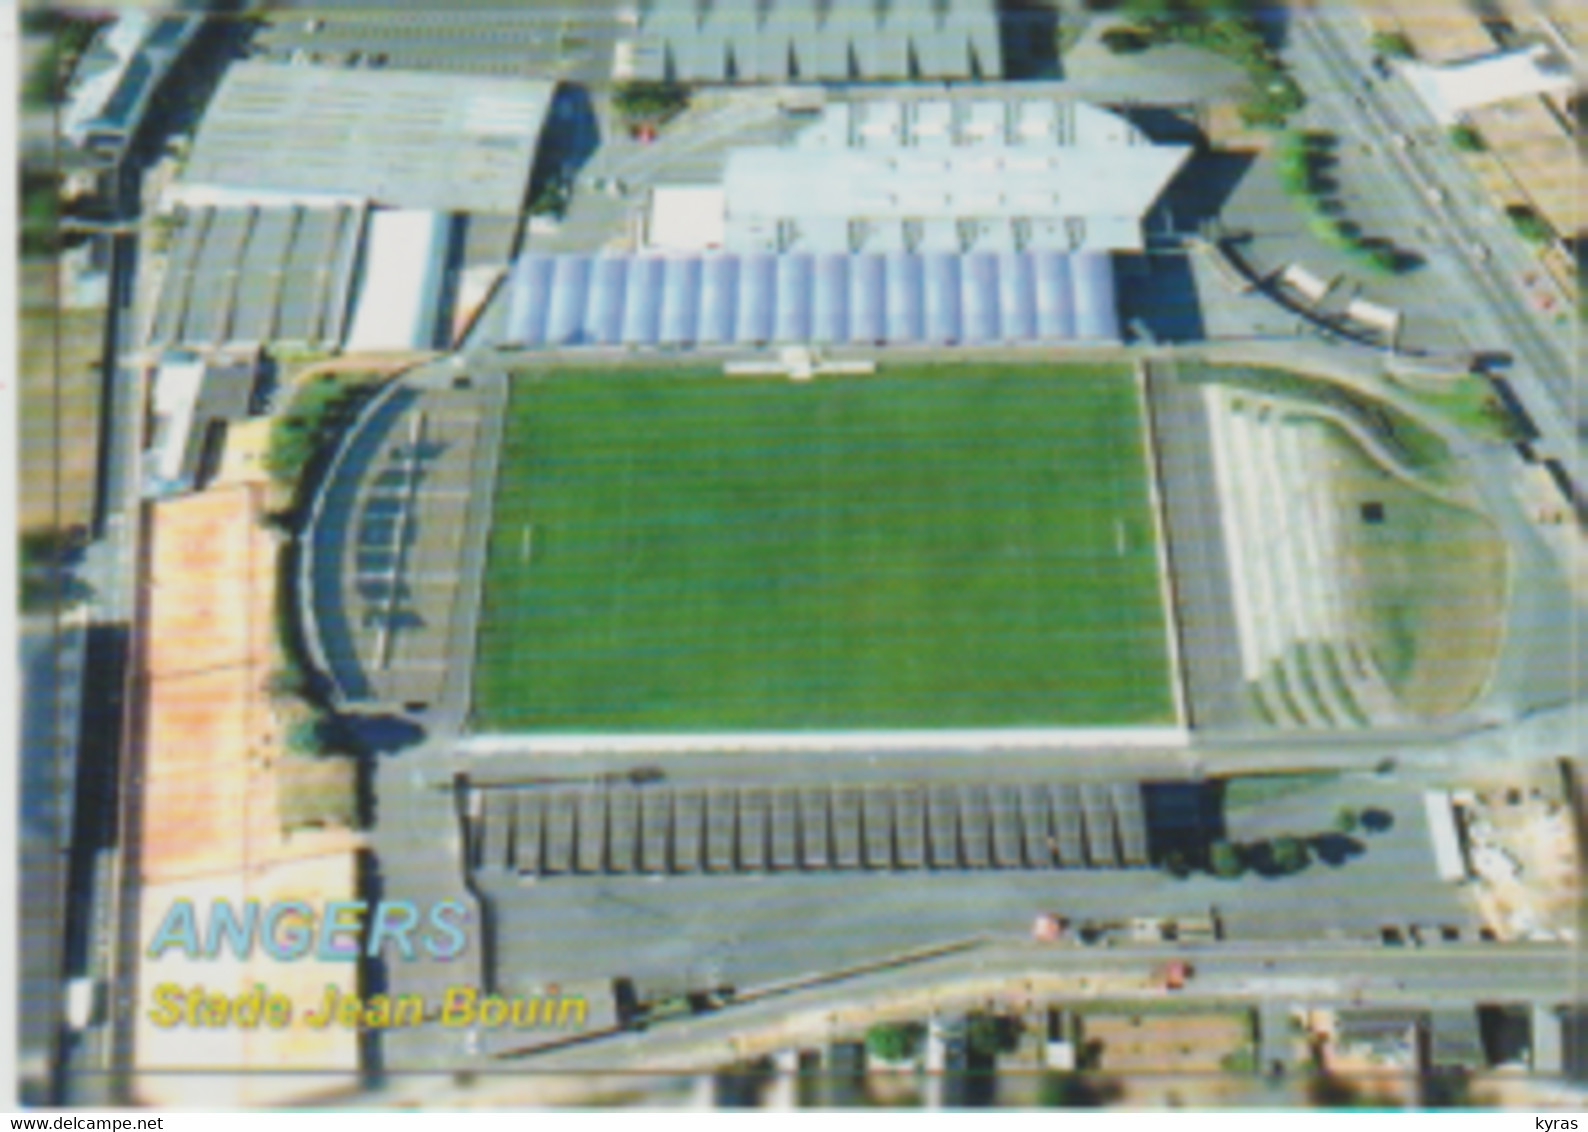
<point x="928" y="547"/>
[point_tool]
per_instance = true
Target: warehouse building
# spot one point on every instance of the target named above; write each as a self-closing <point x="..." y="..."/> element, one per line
<point x="401" y="139"/>
<point x="320" y="206"/>
<point x="1451" y="90"/>
<point x="728" y="41"/>
<point x="193" y="400"/>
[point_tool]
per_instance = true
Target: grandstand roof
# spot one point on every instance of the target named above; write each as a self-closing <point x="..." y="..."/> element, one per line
<point x="939" y="175"/>
<point x="719" y="300"/>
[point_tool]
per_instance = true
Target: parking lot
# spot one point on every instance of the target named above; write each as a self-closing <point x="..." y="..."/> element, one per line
<point x="533" y="40"/>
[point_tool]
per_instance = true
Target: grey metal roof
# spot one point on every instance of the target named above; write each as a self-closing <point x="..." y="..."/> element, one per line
<point x="403" y="138"/>
<point x="1454" y="1040"/>
<point x="245" y="276"/>
<point x="1377" y="1026"/>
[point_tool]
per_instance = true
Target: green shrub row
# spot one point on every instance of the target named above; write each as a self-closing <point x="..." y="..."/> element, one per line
<point x="318" y="411"/>
<point x="1296" y="156"/>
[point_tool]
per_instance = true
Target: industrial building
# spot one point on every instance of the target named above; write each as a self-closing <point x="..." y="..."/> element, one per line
<point x="192" y="400"/>
<point x="242" y="277"/>
<point x="1452" y="90"/>
<point x="401" y="139"/>
<point x="939" y="298"/>
<point x="728" y="41"/>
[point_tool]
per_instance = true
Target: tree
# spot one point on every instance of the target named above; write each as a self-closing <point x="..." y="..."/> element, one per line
<point x="987" y="1035"/>
<point x="1073" y="1090"/>
<point x="550" y="199"/>
<point x="894" y="1041"/>
<point x="1289" y="854"/>
<point x="1381" y="259"/>
<point x="1466" y="139"/>
<point x="1529" y="225"/>
<point x="1125" y="41"/>
<point x="1152" y="9"/>
<point x="287" y="683"/>
<point x="647" y="101"/>
<point x="40" y="207"/>
<point x="306" y="736"/>
<point x="1393" y="44"/>
<point x="1345" y="819"/>
<point x="1225" y="860"/>
<point x="45" y="81"/>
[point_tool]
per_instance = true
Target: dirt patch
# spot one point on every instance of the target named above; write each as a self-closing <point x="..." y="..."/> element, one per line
<point x="211" y="580"/>
<point x="212" y="739"/>
<point x="318" y="793"/>
<point x="1164" y="1043"/>
<point x="220" y="1058"/>
<point x="1523" y="847"/>
<point x="199" y="785"/>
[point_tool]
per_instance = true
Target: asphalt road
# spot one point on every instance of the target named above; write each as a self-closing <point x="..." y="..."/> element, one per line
<point x="1319" y="974"/>
<point x="55" y="678"/>
<point x="47" y="756"/>
<point x="1333" y="48"/>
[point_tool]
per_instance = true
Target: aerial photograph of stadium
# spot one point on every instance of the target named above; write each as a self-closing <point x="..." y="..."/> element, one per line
<point x="800" y="555"/>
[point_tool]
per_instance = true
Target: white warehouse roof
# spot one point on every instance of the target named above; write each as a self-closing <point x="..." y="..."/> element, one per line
<point x="1454" y="88"/>
<point x="399" y="300"/>
<point x="177" y="384"/>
